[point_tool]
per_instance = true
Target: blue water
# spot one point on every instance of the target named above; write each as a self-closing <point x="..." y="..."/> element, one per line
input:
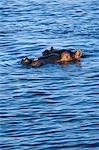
<point x="54" y="107"/>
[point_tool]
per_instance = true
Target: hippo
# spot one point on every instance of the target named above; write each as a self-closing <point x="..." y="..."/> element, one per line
<point x="54" y="56"/>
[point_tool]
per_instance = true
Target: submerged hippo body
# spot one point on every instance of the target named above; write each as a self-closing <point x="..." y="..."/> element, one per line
<point x="53" y="56"/>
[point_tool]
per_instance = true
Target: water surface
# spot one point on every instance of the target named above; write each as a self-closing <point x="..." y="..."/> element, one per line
<point x="55" y="106"/>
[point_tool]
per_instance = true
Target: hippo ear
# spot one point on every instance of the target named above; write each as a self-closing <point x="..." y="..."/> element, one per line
<point x="52" y="49"/>
<point x="78" y="54"/>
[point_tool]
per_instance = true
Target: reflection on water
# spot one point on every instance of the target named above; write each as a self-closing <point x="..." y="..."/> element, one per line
<point x="54" y="106"/>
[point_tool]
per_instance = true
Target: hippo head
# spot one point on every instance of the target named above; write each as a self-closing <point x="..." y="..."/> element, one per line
<point x="71" y="56"/>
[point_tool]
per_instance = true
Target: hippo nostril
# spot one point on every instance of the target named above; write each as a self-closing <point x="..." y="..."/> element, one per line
<point x="35" y="59"/>
<point x="26" y="61"/>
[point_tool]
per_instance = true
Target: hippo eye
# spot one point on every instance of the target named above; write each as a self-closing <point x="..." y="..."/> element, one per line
<point x="67" y="57"/>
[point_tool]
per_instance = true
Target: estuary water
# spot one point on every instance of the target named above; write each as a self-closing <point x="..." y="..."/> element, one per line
<point x="52" y="107"/>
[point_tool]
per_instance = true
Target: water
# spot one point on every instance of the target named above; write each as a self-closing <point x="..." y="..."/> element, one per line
<point x="51" y="107"/>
